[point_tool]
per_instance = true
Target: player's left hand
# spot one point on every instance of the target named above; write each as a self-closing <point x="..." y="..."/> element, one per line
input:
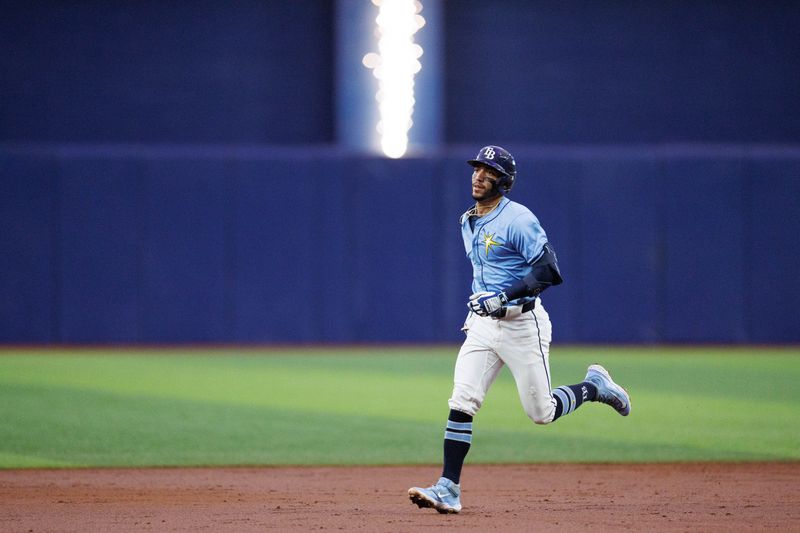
<point x="486" y="303"/>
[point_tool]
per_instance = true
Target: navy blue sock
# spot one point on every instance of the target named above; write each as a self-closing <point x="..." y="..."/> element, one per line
<point x="457" y="439"/>
<point x="570" y="397"/>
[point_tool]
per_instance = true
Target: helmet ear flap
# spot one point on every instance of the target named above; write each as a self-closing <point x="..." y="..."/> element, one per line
<point x="504" y="183"/>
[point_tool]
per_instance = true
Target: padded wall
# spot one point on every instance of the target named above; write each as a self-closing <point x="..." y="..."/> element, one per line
<point x="137" y="245"/>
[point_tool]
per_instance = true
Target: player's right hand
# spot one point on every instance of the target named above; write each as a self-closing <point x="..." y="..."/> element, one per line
<point x="486" y="303"/>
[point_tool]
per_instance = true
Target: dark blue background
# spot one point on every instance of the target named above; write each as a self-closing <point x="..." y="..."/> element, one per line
<point x="170" y="173"/>
<point x="513" y="71"/>
<point x="579" y="71"/>
<point x="162" y="245"/>
<point x="149" y="71"/>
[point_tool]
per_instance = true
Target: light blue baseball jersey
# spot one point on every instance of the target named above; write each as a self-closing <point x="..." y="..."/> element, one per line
<point x="502" y="246"/>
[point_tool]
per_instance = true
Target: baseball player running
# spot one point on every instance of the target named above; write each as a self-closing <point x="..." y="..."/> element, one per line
<point x="512" y="263"/>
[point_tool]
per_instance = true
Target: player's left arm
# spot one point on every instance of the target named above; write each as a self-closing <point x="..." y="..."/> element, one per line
<point x="544" y="274"/>
<point x="530" y="240"/>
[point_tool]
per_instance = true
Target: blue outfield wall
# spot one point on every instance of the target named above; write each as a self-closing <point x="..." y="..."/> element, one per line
<point x="172" y="245"/>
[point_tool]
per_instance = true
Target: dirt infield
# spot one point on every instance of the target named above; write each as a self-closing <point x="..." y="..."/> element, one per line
<point x="673" y="497"/>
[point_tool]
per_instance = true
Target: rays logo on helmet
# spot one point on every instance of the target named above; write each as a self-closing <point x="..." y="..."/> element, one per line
<point x="489" y="153"/>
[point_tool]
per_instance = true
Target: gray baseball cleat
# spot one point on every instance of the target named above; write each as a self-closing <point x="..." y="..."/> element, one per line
<point x="445" y="496"/>
<point x="608" y="392"/>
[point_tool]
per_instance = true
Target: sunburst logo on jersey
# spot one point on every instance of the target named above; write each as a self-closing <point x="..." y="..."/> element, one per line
<point x="488" y="242"/>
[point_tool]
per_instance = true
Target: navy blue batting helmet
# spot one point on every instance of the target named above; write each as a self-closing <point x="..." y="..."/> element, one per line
<point x="499" y="159"/>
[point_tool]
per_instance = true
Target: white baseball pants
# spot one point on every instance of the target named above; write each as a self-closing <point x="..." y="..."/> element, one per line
<point x="521" y="341"/>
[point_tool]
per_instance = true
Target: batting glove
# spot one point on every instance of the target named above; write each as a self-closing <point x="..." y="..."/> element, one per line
<point x="486" y="303"/>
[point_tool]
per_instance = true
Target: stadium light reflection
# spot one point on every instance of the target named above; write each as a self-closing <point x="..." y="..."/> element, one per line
<point x="394" y="65"/>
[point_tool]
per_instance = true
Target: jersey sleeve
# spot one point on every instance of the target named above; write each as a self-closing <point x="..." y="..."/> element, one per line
<point x="528" y="237"/>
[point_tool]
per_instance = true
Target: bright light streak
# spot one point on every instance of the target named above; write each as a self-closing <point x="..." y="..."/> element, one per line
<point x="394" y="65"/>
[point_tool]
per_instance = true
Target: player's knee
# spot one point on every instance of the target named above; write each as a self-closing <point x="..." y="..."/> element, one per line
<point x="541" y="414"/>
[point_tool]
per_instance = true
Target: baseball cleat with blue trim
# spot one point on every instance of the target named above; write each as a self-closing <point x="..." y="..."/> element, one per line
<point x="445" y="496"/>
<point x="608" y="392"/>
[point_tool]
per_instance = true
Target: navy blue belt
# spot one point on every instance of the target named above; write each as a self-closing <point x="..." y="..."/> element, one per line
<point x="525" y="308"/>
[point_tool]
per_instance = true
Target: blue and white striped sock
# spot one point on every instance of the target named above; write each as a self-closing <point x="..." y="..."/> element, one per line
<point x="460" y="431"/>
<point x="570" y="397"/>
<point x="457" y="440"/>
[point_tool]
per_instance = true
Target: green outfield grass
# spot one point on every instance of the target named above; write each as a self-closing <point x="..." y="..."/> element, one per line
<point x="382" y="406"/>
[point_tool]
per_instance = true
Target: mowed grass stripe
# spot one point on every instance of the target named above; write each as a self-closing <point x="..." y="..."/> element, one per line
<point x="386" y="407"/>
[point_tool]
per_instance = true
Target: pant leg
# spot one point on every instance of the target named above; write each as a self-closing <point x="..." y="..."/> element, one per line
<point x="477" y="365"/>
<point x="525" y="348"/>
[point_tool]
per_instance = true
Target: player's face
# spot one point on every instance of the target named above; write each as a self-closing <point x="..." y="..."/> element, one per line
<point x="484" y="180"/>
